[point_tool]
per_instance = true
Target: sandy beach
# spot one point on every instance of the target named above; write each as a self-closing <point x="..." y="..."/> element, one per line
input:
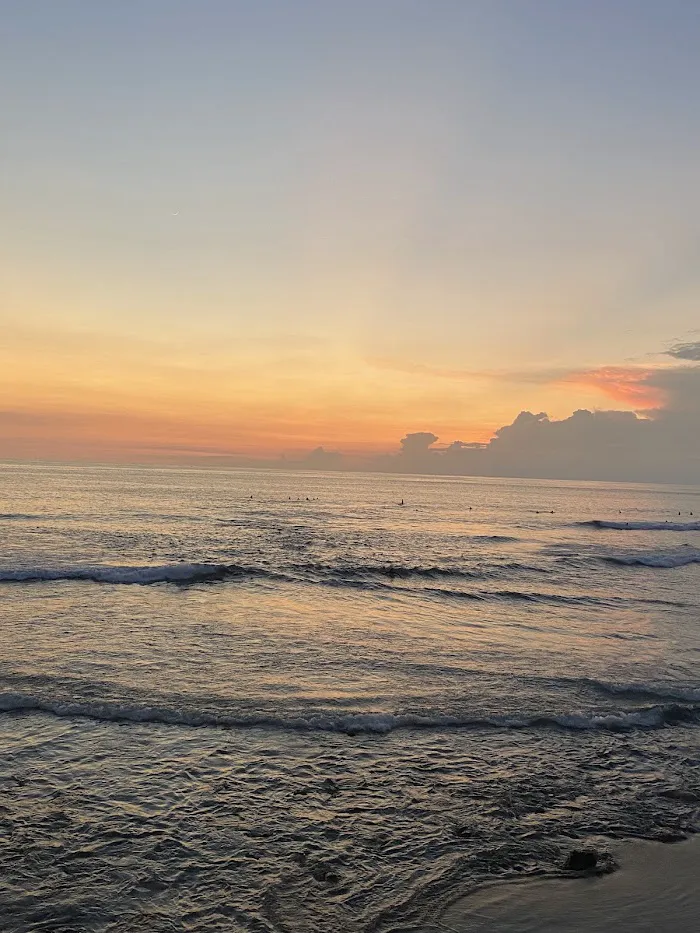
<point x="655" y="889"/>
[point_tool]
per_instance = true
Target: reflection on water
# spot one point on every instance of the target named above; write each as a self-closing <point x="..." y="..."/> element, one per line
<point x="274" y="713"/>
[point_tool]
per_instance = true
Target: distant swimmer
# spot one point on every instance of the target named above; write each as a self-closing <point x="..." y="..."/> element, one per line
<point x="401" y="503"/>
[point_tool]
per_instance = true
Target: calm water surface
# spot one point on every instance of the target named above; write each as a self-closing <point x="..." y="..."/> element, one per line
<point x="273" y="701"/>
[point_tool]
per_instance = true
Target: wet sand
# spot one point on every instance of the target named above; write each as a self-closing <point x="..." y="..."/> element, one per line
<point x="657" y="888"/>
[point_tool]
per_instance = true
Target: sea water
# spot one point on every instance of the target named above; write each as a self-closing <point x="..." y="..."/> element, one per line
<point x="285" y="701"/>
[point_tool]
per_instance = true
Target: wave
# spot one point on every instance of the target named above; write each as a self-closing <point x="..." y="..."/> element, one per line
<point x="529" y="597"/>
<point x="398" y="571"/>
<point x="504" y="539"/>
<point x="368" y="578"/>
<point x="654" y="559"/>
<point x="651" y="717"/>
<point x="18" y="517"/>
<point x="642" y="526"/>
<point x="654" y="691"/>
<point x="168" y="573"/>
<point x="340" y="575"/>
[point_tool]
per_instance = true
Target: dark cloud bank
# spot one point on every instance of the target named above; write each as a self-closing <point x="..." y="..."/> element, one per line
<point x="660" y="445"/>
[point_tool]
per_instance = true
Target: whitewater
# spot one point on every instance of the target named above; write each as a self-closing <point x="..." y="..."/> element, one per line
<point x="276" y="701"/>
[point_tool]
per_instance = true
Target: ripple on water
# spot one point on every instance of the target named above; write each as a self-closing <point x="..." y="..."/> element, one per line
<point x="112" y="824"/>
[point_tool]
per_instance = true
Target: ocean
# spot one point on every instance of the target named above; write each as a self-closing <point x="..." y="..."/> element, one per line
<point x="284" y="701"/>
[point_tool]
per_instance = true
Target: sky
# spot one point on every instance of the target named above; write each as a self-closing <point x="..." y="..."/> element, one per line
<point x="247" y="230"/>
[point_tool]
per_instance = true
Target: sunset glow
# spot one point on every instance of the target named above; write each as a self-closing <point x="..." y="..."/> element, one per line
<point x="301" y="231"/>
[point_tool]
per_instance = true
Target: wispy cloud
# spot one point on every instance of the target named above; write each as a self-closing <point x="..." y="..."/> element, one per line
<point x="422" y="369"/>
<point x="628" y="384"/>
<point x="536" y="376"/>
<point x="686" y="351"/>
<point x="632" y="385"/>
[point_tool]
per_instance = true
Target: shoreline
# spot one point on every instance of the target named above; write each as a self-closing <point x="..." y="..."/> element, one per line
<point x="654" y="889"/>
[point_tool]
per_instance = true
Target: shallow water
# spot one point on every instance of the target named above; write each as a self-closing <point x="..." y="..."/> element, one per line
<point x="283" y="701"/>
<point x="655" y="890"/>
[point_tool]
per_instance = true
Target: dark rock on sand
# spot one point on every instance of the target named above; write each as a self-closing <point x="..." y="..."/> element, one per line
<point x="590" y="860"/>
<point x="581" y="860"/>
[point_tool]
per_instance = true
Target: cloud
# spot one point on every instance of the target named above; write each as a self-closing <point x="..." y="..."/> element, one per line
<point x="587" y="444"/>
<point x="415" y="455"/>
<point x="321" y="459"/>
<point x="660" y="444"/>
<point x="680" y="387"/>
<point x="685" y="351"/>
<point x="535" y="376"/>
<point x="629" y="384"/>
<point x="417" y="443"/>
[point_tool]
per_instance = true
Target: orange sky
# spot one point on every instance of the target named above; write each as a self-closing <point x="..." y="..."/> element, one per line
<point x="326" y="225"/>
<point x="83" y="395"/>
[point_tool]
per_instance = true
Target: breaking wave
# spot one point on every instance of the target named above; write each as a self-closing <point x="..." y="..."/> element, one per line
<point x="651" y="717"/>
<point x="371" y="578"/>
<point x="168" y="573"/>
<point x="660" y="559"/>
<point x="641" y="526"/>
<point x="184" y="573"/>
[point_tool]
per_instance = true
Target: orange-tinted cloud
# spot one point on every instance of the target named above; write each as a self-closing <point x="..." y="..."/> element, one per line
<point x="627" y="384"/>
